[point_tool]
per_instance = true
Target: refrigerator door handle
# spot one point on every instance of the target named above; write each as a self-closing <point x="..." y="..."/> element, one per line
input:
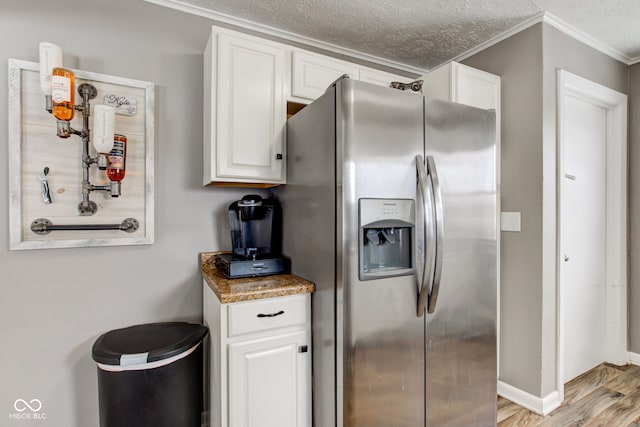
<point x="437" y="202"/>
<point x="426" y="191"/>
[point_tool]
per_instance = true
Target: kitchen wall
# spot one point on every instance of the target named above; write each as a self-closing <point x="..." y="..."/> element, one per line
<point x="527" y="64"/>
<point x="634" y="209"/>
<point x="518" y="61"/>
<point x="55" y="303"/>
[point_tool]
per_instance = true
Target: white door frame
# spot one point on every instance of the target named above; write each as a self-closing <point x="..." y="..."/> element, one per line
<point x="570" y="85"/>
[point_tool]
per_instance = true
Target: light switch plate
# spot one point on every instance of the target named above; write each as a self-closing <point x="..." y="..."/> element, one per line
<point x="510" y="221"/>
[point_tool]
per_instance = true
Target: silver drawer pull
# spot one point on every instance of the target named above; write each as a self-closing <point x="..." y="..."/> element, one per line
<point x="271" y="314"/>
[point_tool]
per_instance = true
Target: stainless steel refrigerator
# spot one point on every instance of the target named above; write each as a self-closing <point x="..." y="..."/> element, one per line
<point x="390" y="209"/>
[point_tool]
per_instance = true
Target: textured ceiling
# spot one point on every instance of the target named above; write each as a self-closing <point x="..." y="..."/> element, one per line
<point x="423" y="34"/>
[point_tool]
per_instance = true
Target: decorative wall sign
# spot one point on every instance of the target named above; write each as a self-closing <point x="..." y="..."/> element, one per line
<point x="124" y="105"/>
<point x="45" y="174"/>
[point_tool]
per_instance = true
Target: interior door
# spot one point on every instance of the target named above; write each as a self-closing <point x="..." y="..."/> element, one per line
<point x="582" y="232"/>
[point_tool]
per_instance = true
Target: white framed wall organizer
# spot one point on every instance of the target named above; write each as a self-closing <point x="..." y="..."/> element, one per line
<point x="59" y="197"/>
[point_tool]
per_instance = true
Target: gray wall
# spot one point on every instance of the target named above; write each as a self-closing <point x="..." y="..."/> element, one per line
<point x="634" y="209"/>
<point x="518" y="62"/>
<point x="527" y="63"/>
<point x="55" y="303"/>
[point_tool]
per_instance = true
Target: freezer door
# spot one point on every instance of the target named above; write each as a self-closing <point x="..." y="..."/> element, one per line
<point x="309" y="230"/>
<point x="380" y="340"/>
<point x="461" y="325"/>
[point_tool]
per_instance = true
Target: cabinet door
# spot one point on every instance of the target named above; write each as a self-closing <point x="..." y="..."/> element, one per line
<point x="381" y="78"/>
<point x="474" y="87"/>
<point x="467" y="85"/>
<point x="269" y="382"/>
<point x="312" y="74"/>
<point x="250" y="110"/>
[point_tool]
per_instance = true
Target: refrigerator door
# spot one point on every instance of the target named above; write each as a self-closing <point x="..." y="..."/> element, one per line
<point x="380" y="340"/>
<point x="461" y="325"/>
<point x="309" y="229"/>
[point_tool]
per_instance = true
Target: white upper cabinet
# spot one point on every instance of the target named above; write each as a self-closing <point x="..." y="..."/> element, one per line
<point x="381" y="78"/>
<point x="247" y="83"/>
<point x="463" y="84"/>
<point x="312" y="73"/>
<point x="244" y="110"/>
<point x="476" y="88"/>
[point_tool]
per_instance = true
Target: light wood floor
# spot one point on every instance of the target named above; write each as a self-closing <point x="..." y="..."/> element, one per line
<point x="607" y="396"/>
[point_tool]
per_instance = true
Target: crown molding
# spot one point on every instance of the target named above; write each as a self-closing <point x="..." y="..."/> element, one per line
<point x="558" y="24"/>
<point x="563" y="26"/>
<point x="286" y="35"/>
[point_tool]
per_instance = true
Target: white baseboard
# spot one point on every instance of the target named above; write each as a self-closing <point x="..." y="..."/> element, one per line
<point x="539" y="405"/>
<point x="634" y="358"/>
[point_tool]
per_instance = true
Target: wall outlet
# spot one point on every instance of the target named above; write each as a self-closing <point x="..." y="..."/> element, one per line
<point x="510" y="221"/>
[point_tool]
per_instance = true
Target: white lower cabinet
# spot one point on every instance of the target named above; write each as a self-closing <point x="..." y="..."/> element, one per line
<point x="259" y="361"/>
<point x="267" y="381"/>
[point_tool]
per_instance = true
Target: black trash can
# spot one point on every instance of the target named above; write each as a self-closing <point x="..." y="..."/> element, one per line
<point x="151" y="375"/>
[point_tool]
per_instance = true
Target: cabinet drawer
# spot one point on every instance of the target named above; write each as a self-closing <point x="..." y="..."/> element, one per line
<point x="262" y="315"/>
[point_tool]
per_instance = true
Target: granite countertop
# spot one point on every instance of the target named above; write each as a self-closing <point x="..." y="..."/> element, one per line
<point x="250" y="288"/>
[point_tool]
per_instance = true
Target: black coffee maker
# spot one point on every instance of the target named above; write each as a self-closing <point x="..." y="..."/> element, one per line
<point x="256" y="237"/>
